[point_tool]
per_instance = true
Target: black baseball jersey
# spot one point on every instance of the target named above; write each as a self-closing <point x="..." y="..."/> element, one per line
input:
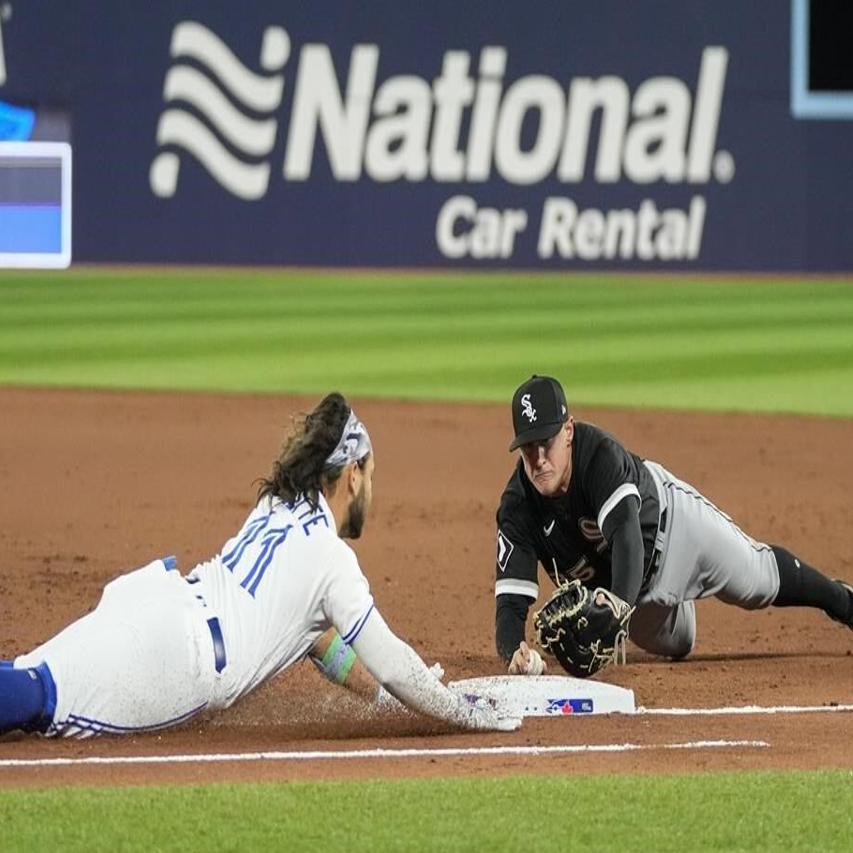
<point x="565" y="533"/>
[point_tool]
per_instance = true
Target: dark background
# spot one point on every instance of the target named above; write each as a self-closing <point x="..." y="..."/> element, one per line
<point x="788" y="207"/>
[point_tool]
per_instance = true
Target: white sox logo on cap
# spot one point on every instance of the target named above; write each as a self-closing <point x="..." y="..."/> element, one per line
<point x="528" y="411"/>
<point x="538" y="410"/>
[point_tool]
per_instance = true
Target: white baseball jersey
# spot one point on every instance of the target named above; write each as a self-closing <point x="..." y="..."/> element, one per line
<point x="277" y="585"/>
<point x="160" y="648"/>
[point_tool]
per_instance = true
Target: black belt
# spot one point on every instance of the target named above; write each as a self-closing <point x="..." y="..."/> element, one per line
<point x="657" y="554"/>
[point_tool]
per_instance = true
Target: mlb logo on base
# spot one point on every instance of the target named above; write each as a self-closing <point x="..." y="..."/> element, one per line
<point x="569" y="706"/>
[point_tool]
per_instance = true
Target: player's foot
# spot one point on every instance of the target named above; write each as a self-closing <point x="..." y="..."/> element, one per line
<point x="849" y="621"/>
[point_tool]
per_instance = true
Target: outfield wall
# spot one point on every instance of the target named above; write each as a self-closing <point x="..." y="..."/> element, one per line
<point x="552" y="134"/>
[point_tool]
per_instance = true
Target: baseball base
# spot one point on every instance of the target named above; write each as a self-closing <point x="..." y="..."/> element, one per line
<point x="547" y="695"/>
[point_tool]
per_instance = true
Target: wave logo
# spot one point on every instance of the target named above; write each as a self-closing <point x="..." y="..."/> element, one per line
<point x="230" y="141"/>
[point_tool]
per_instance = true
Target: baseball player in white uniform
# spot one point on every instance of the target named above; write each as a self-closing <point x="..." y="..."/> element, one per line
<point x="161" y="647"/>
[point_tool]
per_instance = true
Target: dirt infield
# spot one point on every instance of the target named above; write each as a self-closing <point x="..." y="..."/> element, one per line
<point x="92" y="484"/>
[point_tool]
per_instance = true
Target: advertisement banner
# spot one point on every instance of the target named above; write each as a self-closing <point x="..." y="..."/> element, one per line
<point x="552" y="135"/>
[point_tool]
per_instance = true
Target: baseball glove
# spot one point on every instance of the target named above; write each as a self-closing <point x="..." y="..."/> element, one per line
<point x="584" y="629"/>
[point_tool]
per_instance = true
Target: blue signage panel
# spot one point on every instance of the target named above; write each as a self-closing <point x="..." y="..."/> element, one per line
<point x="35" y="204"/>
<point x="554" y="134"/>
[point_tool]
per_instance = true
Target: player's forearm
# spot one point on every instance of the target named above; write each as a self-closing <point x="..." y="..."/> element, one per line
<point x="627" y="558"/>
<point x="510" y="618"/>
<point x="398" y="668"/>
<point x="337" y="662"/>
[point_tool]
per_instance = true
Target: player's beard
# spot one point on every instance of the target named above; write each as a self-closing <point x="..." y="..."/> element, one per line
<point x="354" y="521"/>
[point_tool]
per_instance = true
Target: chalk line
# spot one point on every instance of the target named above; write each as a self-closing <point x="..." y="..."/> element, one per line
<point x="316" y="755"/>
<point x="443" y="752"/>
<point x="745" y="709"/>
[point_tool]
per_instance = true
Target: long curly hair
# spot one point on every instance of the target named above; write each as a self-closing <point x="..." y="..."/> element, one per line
<point x="298" y="471"/>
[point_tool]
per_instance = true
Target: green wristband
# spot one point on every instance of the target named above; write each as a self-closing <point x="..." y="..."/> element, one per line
<point x="338" y="661"/>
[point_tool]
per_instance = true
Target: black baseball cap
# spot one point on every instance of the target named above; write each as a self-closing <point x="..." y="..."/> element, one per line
<point x="538" y="410"/>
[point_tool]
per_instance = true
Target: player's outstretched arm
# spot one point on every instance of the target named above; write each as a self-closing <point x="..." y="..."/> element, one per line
<point x="399" y="669"/>
<point x="338" y="662"/>
<point x="510" y="618"/>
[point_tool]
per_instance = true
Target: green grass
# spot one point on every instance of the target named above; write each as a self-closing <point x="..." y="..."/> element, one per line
<point x="721" y="344"/>
<point x="744" y="811"/>
<point x="718" y="344"/>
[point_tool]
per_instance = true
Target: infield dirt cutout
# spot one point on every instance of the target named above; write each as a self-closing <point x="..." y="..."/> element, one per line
<point x="96" y="483"/>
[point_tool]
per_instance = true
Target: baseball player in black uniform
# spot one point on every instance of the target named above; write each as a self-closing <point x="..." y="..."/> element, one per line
<point x="587" y="508"/>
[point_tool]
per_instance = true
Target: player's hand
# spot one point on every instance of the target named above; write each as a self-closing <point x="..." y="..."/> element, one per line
<point x="507" y="724"/>
<point x="483" y="716"/>
<point x="437" y="670"/>
<point x="527" y="661"/>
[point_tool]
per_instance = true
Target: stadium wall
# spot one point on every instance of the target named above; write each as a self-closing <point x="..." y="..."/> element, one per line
<point x="552" y="134"/>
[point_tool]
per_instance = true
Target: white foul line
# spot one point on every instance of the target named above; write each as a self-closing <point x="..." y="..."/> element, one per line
<point x="452" y="751"/>
<point x="378" y="753"/>
<point x="745" y="709"/>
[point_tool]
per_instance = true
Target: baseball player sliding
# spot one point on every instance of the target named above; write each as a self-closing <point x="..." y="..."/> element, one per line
<point x="161" y="647"/>
<point x="629" y="545"/>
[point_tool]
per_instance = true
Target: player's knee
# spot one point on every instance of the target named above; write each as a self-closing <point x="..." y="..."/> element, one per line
<point x="669" y="646"/>
<point x="682" y="647"/>
<point x="684" y="636"/>
<point x="668" y="632"/>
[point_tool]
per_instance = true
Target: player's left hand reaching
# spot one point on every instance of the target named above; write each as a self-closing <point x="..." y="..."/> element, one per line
<point x="527" y="661"/>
